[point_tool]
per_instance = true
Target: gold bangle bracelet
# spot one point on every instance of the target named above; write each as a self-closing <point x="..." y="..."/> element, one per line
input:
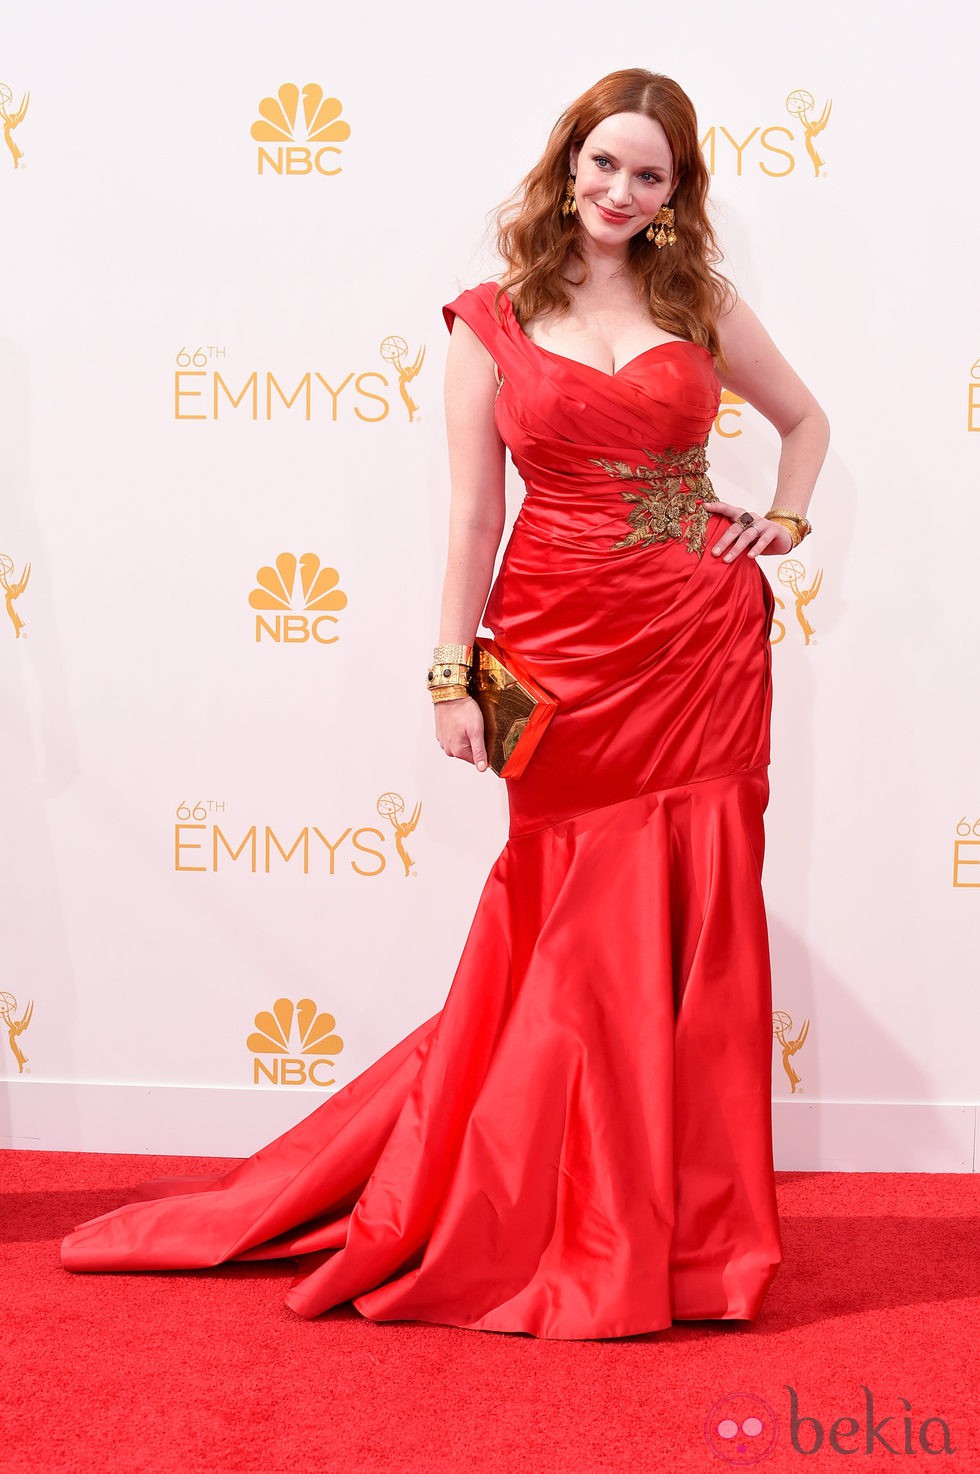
<point x="447" y="693"/>
<point x="803" y="523"/>
<point x="796" y="533"/>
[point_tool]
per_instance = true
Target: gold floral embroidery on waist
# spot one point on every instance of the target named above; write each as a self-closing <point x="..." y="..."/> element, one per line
<point x="673" y="502"/>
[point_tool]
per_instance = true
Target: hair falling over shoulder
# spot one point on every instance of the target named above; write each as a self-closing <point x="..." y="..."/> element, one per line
<point x="537" y="243"/>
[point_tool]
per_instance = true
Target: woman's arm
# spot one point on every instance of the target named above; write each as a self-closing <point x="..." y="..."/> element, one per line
<point x="477" y="513"/>
<point x="477" y="506"/>
<point x="758" y="372"/>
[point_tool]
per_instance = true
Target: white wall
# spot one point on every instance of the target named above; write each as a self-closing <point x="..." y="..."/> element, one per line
<point x="138" y="225"/>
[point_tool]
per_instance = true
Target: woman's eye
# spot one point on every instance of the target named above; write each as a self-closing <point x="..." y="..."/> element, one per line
<point x="650" y="178"/>
<point x="599" y="159"/>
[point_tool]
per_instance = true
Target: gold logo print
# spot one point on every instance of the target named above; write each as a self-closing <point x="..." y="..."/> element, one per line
<point x="782" y="1025"/>
<point x="321" y="115"/>
<point x="791" y="575"/>
<point x="12" y="118"/>
<point x="965" y="863"/>
<point x="323" y="126"/>
<point x="274" y="1036"/>
<point x="319" y="585"/>
<point x="773" y="148"/>
<point x="318" y="594"/>
<point x="12" y="590"/>
<point x="728" y="408"/>
<point x="393" y="350"/>
<point x="391" y="806"/>
<point x="799" y="104"/>
<point x="15" y="1027"/>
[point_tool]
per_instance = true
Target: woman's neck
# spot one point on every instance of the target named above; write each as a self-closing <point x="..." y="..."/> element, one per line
<point x="603" y="264"/>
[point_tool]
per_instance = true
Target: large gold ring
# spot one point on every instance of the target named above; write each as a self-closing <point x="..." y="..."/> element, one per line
<point x="746" y="519"/>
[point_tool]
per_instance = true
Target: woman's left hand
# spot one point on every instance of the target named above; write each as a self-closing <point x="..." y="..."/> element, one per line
<point x="755" y="537"/>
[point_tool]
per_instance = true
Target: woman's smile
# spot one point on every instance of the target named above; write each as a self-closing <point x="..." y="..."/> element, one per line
<point x="615" y="217"/>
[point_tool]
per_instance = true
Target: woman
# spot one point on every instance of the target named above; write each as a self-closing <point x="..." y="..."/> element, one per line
<point x="579" y="1143"/>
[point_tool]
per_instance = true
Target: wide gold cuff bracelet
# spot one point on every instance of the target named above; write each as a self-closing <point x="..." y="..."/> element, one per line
<point x="447" y="674"/>
<point x="452" y="655"/>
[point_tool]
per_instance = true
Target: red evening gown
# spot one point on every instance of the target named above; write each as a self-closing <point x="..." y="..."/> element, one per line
<point x="579" y="1143"/>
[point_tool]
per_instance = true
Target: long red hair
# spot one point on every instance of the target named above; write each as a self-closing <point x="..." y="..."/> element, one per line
<point x="536" y="242"/>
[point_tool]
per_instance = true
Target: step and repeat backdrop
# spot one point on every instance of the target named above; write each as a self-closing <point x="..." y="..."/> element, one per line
<point x="235" y="865"/>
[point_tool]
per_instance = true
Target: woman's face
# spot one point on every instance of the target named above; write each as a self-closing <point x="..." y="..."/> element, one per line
<point x="623" y="174"/>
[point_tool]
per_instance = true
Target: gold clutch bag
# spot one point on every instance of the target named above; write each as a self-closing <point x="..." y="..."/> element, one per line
<point x="516" y="708"/>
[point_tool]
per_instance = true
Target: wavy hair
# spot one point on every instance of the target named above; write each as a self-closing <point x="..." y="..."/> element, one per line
<point x="536" y="242"/>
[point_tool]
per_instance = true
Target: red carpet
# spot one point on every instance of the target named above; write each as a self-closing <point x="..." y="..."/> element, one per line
<point x="207" y="1371"/>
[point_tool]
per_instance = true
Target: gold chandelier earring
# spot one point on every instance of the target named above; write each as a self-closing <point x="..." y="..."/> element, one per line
<point x="569" y="207"/>
<point x="665" y="234"/>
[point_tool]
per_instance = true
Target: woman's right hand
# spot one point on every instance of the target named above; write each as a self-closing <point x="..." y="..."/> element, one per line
<point x="459" y="731"/>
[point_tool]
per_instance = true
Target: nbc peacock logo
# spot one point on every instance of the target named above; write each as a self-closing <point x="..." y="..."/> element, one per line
<point x="291" y="615"/>
<point x="301" y="147"/>
<point x="277" y="1035"/>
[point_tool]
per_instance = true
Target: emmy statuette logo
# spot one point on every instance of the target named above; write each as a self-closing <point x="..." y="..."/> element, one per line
<point x="15" y="1027"/>
<point x="307" y="147"/>
<point x="789" y="1045"/>
<point x="793" y="576"/>
<point x="800" y="104"/>
<point x="391" y="806"/>
<point x="10" y="119"/>
<point x="290" y="615"/>
<point x="394" y="350"/>
<point x="274" y="1038"/>
<point x="12" y="589"/>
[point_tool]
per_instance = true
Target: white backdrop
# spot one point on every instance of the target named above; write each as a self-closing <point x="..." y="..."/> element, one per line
<point x="152" y="728"/>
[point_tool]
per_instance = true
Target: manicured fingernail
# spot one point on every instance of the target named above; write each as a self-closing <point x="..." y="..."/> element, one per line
<point x="482" y="767"/>
<point x="716" y="551"/>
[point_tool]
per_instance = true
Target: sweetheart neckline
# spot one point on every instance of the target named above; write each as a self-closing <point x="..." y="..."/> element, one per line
<point x="579" y="363"/>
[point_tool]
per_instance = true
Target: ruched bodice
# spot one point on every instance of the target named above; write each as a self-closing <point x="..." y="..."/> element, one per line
<point x="560" y="419"/>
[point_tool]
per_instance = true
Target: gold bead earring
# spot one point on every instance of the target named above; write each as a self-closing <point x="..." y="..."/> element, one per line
<point x="569" y="207"/>
<point x="665" y="234"/>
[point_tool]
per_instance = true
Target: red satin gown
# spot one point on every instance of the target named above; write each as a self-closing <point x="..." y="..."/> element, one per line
<point x="579" y="1143"/>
